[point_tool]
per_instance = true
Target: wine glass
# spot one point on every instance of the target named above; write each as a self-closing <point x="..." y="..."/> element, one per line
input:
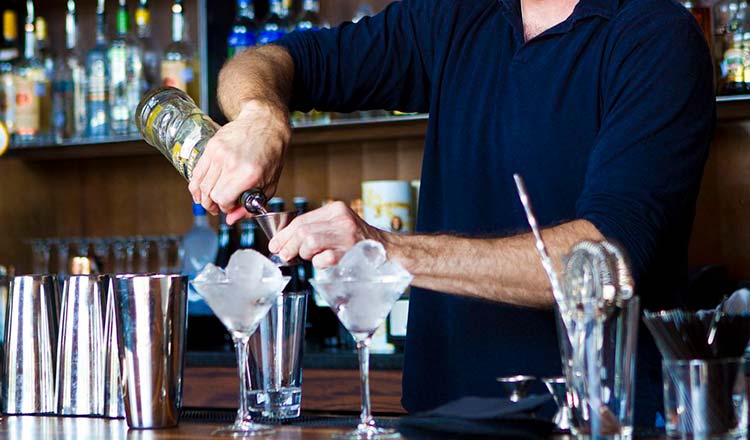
<point x="362" y="304"/>
<point x="240" y="308"/>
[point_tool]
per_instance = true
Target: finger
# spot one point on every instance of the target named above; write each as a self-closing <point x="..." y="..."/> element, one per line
<point x="319" y="239"/>
<point x="237" y="214"/>
<point x="199" y="172"/>
<point x="326" y="259"/>
<point x="228" y="189"/>
<point x="302" y="233"/>
<point x="323" y="214"/>
<point x="207" y="185"/>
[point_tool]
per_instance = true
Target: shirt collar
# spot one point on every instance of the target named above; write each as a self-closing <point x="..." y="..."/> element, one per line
<point x="584" y="8"/>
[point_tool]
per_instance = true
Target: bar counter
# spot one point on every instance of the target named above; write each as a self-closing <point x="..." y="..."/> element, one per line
<point x="82" y="428"/>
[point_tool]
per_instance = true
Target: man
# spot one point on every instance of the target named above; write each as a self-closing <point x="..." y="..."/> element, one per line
<point x="605" y="107"/>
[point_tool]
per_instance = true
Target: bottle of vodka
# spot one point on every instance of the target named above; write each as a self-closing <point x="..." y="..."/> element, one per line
<point x="126" y="75"/>
<point x="147" y="46"/>
<point x="177" y="62"/>
<point x="30" y="85"/>
<point x="97" y="75"/>
<point x="244" y="31"/>
<point x="69" y="98"/>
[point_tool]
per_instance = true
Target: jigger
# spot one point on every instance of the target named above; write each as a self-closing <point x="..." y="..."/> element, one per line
<point x="31" y="345"/>
<point x="556" y="387"/>
<point x="517" y="386"/>
<point x="80" y="369"/>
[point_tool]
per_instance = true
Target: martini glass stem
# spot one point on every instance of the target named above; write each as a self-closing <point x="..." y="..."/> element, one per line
<point x="363" y="350"/>
<point x="242" y="350"/>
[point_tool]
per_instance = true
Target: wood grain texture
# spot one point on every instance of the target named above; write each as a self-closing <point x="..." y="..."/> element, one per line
<point x="322" y="390"/>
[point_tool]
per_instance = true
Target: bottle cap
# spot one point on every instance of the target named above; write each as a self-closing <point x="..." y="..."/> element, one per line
<point x="198" y="209"/>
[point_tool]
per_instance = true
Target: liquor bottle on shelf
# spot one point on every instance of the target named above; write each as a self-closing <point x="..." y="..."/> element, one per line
<point x="200" y="245"/>
<point x="9" y="55"/>
<point x="126" y="75"/>
<point x="177" y="62"/>
<point x="227" y="242"/>
<point x="276" y="204"/>
<point x="273" y="26"/>
<point x="30" y="85"/>
<point x="244" y="31"/>
<point x="734" y="54"/>
<point x="68" y="95"/>
<point x="146" y="44"/>
<point x="310" y="21"/>
<point x="42" y="45"/>
<point x="247" y="234"/>
<point x="97" y="74"/>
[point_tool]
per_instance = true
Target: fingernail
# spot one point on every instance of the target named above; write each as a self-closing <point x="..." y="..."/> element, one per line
<point x="272" y="246"/>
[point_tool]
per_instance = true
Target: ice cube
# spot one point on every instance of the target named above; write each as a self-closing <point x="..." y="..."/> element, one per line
<point x="362" y="261"/>
<point x="248" y="267"/>
<point x="211" y="275"/>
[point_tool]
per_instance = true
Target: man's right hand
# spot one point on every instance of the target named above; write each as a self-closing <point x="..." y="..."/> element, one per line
<point x="246" y="153"/>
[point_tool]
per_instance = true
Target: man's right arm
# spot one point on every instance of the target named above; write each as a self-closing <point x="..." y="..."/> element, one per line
<point x="380" y="62"/>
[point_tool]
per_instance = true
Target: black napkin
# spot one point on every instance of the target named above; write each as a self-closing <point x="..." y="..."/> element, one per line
<point x="480" y="417"/>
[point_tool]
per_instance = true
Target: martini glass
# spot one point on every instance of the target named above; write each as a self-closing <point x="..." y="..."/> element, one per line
<point x="241" y="308"/>
<point x="362" y="306"/>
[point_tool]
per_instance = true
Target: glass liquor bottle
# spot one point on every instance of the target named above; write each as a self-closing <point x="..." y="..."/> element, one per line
<point x="735" y="56"/>
<point x="227" y="242"/>
<point x="48" y="61"/>
<point x="30" y="85"/>
<point x="273" y="26"/>
<point x="68" y="95"/>
<point x="146" y="43"/>
<point x="126" y="75"/>
<point x="177" y="62"/>
<point x="9" y="54"/>
<point x="170" y="121"/>
<point x="244" y="31"/>
<point x="97" y="75"/>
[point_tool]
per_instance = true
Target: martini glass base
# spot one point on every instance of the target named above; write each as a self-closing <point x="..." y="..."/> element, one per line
<point x="366" y="432"/>
<point x="244" y="429"/>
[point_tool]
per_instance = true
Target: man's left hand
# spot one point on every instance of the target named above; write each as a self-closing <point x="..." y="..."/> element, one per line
<point x="324" y="235"/>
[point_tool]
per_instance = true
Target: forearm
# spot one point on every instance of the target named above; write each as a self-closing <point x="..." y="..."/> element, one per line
<point x="263" y="73"/>
<point x="498" y="269"/>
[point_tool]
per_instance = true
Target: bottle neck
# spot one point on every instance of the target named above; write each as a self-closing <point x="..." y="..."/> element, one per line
<point x="101" y="24"/>
<point x="200" y="220"/>
<point x="29" y="42"/>
<point x="246" y="10"/>
<point x="10" y="27"/>
<point x="143" y="21"/>
<point x="123" y="22"/>
<point x="247" y="236"/>
<point x="178" y="23"/>
<point x="311" y="6"/>
<point x="276" y="7"/>
<point x="71" y="30"/>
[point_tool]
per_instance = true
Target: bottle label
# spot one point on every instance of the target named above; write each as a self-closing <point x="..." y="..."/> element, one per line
<point x="173" y="74"/>
<point x="10" y="25"/>
<point x="732" y="66"/>
<point x="27" y="107"/>
<point x="97" y="82"/>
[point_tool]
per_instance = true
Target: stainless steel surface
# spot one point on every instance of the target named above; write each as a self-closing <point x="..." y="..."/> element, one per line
<point x="114" y="405"/>
<point x="556" y="387"/>
<point x="273" y="222"/>
<point x="151" y="318"/>
<point x="276" y="358"/>
<point x="4" y="288"/>
<point x="79" y="389"/>
<point x="31" y="345"/>
<point x="516" y="386"/>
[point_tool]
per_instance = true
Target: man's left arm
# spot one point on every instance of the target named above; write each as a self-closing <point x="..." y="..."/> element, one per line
<point x="643" y="173"/>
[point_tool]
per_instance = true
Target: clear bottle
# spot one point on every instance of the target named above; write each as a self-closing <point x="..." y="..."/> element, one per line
<point x="48" y="60"/>
<point x="244" y="31"/>
<point x="126" y="75"/>
<point x="273" y="26"/>
<point x="200" y="245"/>
<point x="170" y="121"/>
<point x="177" y="63"/>
<point x="227" y="242"/>
<point x="9" y="56"/>
<point x="30" y="86"/>
<point x="147" y="45"/>
<point x="97" y="75"/>
<point x="68" y="94"/>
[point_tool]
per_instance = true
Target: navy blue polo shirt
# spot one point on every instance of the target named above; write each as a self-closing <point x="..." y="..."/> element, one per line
<point x="607" y="116"/>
